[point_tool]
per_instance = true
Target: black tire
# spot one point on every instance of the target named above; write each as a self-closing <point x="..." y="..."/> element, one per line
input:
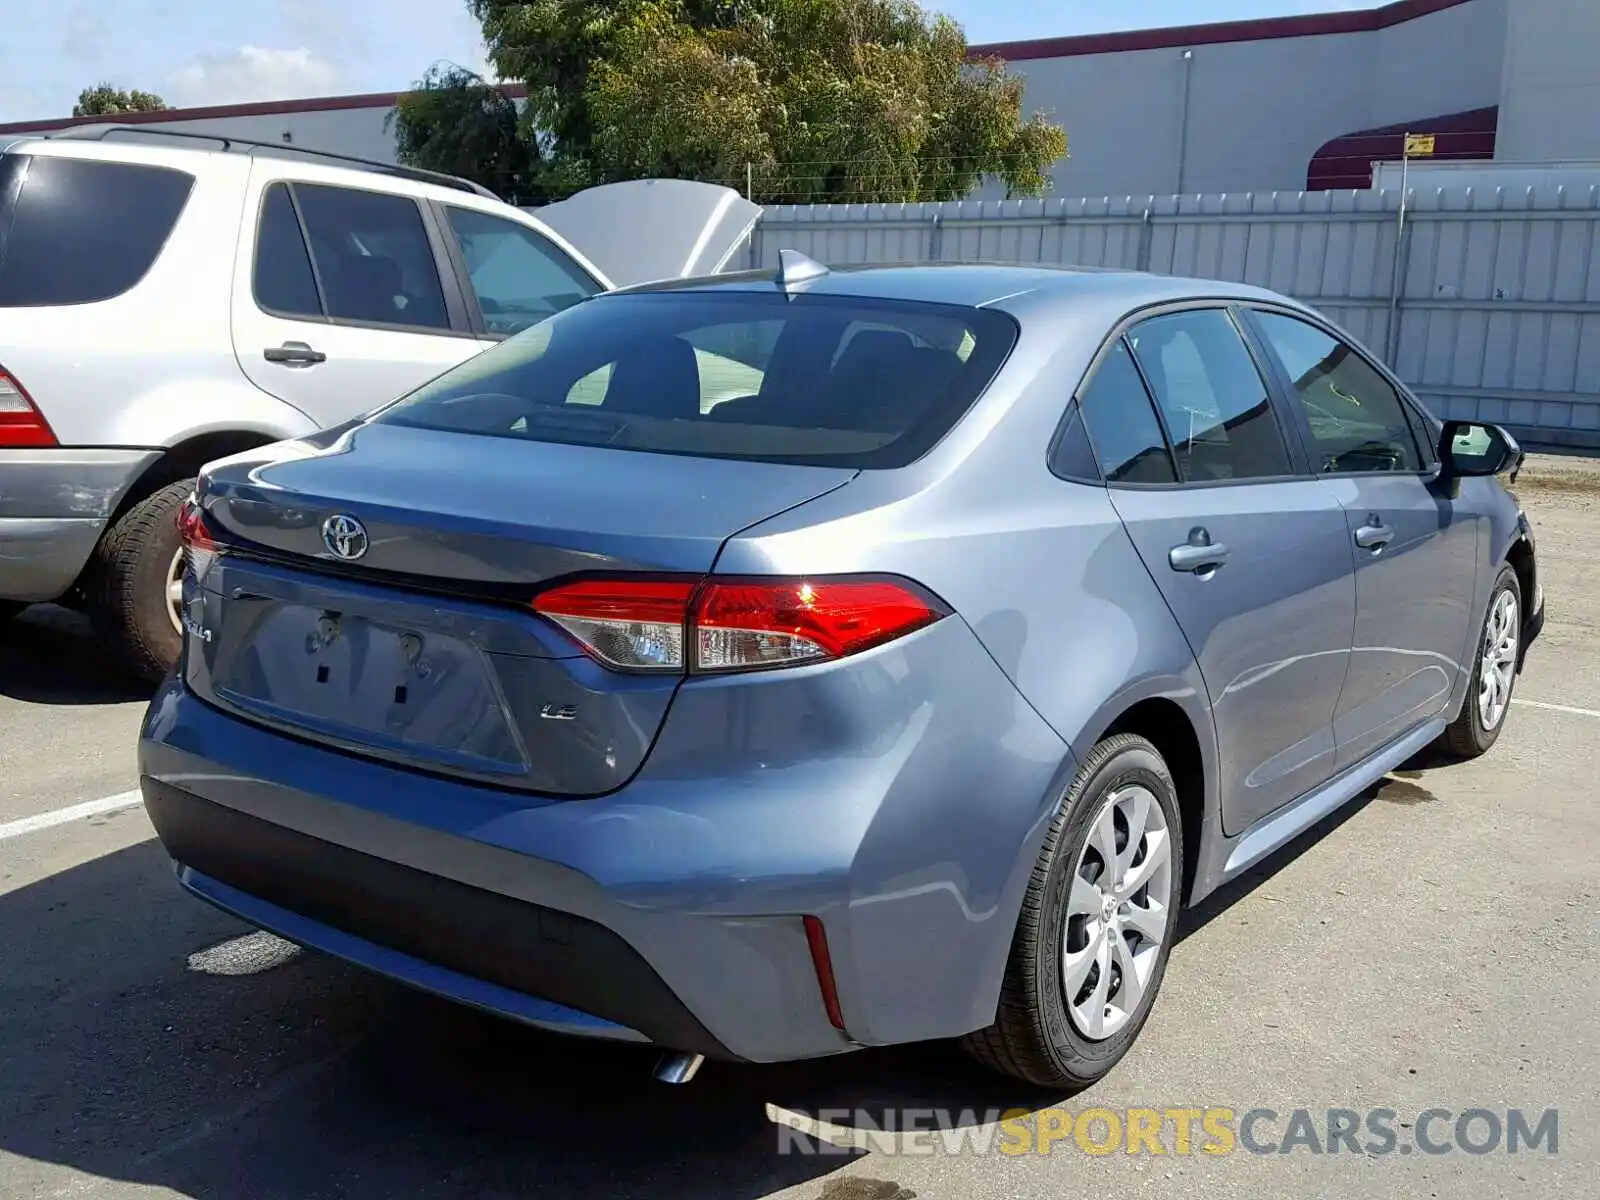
<point x="1033" y="1037"/>
<point x="1469" y="736"/>
<point x="9" y="609"/>
<point x="127" y="578"/>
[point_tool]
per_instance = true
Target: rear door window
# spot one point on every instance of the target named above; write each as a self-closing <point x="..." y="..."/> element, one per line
<point x="369" y="258"/>
<point x="827" y="380"/>
<point x="284" y="281"/>
<point x="518" y="277"/>
<point x="1122" y="423"/>
<point x="1214" y="401"/>
<point x="78" y="231"/>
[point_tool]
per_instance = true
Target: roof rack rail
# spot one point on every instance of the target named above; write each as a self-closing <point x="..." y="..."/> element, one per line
<point x="99" y="133"/>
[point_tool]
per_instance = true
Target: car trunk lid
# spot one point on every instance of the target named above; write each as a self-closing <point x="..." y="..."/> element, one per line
<point x="423" y="648"/>
<point x="463" y="509"/>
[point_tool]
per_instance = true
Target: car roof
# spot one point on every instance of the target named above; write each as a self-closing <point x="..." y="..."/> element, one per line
<point x="109" y="141"/>
<point x="976" y="285"/>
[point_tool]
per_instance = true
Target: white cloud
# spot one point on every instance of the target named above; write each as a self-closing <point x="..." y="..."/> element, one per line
<point x="251" y="73"/>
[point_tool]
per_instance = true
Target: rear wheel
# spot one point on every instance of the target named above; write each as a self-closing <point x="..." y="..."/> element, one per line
<point x="1097" y="923"/>
<point x="135" y="582"/>
<point x="1494" y="673"/>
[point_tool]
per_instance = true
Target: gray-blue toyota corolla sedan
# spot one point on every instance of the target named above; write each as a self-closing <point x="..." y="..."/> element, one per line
<point x="772" y="665"/>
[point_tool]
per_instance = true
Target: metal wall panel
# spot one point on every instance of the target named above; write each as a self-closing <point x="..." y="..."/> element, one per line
<point x="1487" y="301"/>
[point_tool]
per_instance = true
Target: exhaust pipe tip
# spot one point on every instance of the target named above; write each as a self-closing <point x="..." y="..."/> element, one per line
<point x="678" y="1068"/>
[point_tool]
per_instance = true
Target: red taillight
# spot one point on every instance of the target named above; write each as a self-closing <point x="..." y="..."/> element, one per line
<point x="757" y="623"/>
<point x="734" y="624"/>
<point x="21" y="424"/>
<point x="192" y="531"/>
<point x="198" y="544"/>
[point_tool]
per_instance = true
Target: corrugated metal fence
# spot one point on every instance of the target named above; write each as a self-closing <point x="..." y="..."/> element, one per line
<point x="1486" y="301"/>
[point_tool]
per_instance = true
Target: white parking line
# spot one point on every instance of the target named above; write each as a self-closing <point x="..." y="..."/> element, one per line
<point x="73" y="812"/>
<point x="1560" y="708"/>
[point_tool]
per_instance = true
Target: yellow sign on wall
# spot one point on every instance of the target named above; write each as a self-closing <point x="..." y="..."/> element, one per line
<point x="1419" y="145"/>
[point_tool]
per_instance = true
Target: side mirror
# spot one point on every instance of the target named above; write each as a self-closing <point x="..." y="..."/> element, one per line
<point x="1475" y="448"/>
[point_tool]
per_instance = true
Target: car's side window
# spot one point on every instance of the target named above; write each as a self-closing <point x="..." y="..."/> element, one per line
<point x="1215" y="403"/>
<point x="1358" y="421"/>
<point x="519" y="277"/>
<point x="1072" y="455"/>
<point x="283" y="280"/>
<point x="81" y="231"/>
<point x="1121" y="423"/>
<point x="373" y="262"/>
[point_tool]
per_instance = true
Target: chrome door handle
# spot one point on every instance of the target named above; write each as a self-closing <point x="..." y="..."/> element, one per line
<point x="1374" y="536"/>
<point x="294" y="354"/>
<point x="1197" y="557"/>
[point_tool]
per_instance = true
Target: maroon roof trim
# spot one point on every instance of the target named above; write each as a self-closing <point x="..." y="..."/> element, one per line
<point x="1181" y="36"/>
<point x="1176" y="37"/>
<point x="1346" y="161"/>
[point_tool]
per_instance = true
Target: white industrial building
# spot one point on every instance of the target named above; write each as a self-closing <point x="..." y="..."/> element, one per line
<point x="1285" y="104"/>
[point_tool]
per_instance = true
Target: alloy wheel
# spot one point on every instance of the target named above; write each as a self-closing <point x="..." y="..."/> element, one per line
<point x="1499" y="666"/>
<point x="175" y="591"/>
<point x="1117" y="912"/>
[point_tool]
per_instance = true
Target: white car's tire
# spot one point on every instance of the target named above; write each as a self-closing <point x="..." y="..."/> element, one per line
<point x="132" y="579"/>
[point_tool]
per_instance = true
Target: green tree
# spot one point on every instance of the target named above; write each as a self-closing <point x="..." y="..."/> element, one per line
<point x="811" y="100"/>
<point x="103" y="100"/>
<point x="553" y="46"/>
<point x="457" y="122"/>
<point x="825" y="100"/>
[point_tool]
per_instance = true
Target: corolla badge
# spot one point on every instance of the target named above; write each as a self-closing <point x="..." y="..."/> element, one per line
<point x="344" y="536"/>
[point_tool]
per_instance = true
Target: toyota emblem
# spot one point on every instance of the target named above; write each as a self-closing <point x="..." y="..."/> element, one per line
<point x="344" y="536"/>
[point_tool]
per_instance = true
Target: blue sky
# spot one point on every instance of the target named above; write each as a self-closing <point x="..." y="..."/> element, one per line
<point x="196" y="52"/>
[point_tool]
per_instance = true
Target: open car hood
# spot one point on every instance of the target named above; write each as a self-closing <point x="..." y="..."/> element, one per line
<point x="650" y="229"/>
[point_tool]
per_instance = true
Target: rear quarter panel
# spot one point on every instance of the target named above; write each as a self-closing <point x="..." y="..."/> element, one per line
<point x="1039" y="568"/>
<point x="1045" y="576"/>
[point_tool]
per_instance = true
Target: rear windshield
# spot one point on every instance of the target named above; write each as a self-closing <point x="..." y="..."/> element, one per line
<point x="76" y="231"/>
<point x="817" y="380"/>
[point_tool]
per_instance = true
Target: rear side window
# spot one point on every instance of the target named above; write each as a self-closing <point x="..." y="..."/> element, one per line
<point x="823" y="380"/>
<point x="373" y="263"/>
<point x="284" y="282"/>
<point x="1072" y="457"/>
<point x="1213" y="398"/>
<point x="1122" y="424"/>
<point x="518" y="277"/>
<point x="75" y="231"/>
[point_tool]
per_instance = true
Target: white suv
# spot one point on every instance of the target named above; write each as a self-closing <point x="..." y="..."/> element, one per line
<point x="171" y="299"/>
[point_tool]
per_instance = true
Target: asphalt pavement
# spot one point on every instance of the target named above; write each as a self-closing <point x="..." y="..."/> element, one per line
<point x="1435" y="945"/>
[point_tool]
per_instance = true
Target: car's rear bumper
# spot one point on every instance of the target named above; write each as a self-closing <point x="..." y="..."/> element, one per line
<point x="671" y="910"/>
<point x="54" y="504"/>
<point x="483" y="947"/>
